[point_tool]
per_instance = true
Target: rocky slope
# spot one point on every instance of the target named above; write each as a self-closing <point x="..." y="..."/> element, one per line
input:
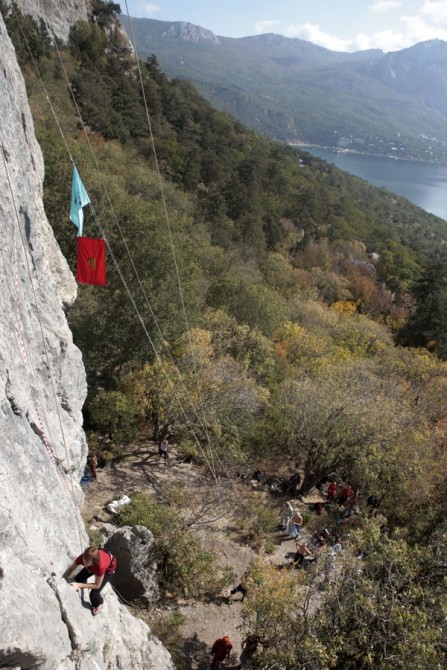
<point x="59" y="15"/>
<point x="42" y="451"/>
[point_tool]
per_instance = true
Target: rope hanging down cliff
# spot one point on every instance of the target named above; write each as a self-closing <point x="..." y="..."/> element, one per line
<point x="109" y="248"/>
<point x="168" y="225"/>
<point x="212" y="451"/>
<point x="15" y="297"/>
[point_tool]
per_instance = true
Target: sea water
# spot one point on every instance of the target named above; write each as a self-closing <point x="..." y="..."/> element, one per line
<point x="424" y="184"/>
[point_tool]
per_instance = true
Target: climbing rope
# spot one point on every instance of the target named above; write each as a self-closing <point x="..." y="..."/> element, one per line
<point x="168" y="225"/>
<point x="212" y="451"/>
<point x="204" y="426"/>
<point x="16" y="300"/>
<point x="118" y="225"/>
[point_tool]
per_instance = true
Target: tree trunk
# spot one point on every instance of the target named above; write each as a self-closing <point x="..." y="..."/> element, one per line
<point x="310" y="479"/>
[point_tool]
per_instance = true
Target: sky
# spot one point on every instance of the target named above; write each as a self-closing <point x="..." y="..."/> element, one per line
<point x="339" y="25"/>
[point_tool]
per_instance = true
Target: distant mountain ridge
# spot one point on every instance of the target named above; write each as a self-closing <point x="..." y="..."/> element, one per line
<point x="293" y="90"/>
<point x="419" y="70"/>
<point x="188" y="32"/>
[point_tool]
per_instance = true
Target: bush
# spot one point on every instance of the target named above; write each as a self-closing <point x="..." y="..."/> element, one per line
<point x="115" y="414"/>
<point x="257" y="520"/>
<point x="96" y="538"/>
<point x="184" y="568"/>
<point x="167" y="628"/>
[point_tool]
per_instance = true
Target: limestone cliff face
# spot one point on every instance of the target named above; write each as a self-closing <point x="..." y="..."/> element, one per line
<point x="60" y="15"/>
<point x="43" y="622"/>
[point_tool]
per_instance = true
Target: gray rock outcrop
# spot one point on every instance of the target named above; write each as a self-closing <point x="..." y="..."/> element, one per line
<point x="43" y="622"/>
<point x="135" y="579"/>
<point x="59" y="15"/>
<point x="188" y="32"/>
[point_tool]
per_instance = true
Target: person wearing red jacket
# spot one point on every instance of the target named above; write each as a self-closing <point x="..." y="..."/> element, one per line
<point x="347" y="491"/>
<point x="332" y="491"/>
<point x="97" y="562"/>
<point x="221" y="650"/>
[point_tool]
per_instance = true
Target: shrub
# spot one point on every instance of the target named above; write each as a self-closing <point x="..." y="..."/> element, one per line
<point x="184" y="568"/>
<point x="167" y="628"/>
<point x="257" y="520"/>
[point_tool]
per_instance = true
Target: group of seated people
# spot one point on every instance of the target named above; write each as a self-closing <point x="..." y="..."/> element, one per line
<point x="323" y="539"/>
<point x="346" y="497"/>
<point x="279" y="482"/>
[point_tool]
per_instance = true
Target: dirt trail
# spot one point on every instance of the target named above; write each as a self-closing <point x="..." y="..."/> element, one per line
<point x="141" y="470"/>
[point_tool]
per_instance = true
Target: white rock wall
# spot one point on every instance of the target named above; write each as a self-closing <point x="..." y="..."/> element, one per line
<point x="60" y="15"/>
<point x="43" y="622"/>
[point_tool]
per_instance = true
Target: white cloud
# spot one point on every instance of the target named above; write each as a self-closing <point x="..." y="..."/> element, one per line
<point x="384" y="5"/>
<point x="426" y="25"/>
<point x="416" y="30"/>
<point x="261" y="27"/>
<point x="148" y="8"/>
<point x="313" y="33"/>
<point x="387" y="40"/>
<point x="435" y="9"/>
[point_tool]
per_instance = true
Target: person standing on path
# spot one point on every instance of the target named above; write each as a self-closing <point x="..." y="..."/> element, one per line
<point x="352" y="502"/>
<point x="243" y="586"/>
<point x="347" y="491"/>
<point x="332" y="491"/>
<point x="221" y="650"/>
<point x="249" y="646"/>
<point x="302" y="552"/>
<point x="97" y="562"/>
<point x="163" y="450"/>
<point x="286" y="514"/>
<point x="93" y="465"/>
<point x="293" y="484"/>
<point x="295" y="525"/>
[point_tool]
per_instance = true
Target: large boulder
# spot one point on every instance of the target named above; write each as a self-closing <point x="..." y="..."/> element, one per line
<point x="136" y="574"/>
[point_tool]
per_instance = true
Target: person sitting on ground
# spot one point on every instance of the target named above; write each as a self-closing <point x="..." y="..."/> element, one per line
<point x="320" y="539"/>
<point x="295" y="525"/>
<point x="257" y="475"/>
<point x="97" y="562"/>
<point x="272" y="482"/>
<point x="293" y="484"/>
<point x="319" y="508"/>
<point x="163" y="450"/>
<point x="286" y="513"/>
<point x="302" y="552"/>
<point x="321" y="483"/>
<point x="347" y="491"/>
<point x="243" y="586"/>
<point x="332" y="491"/>
<point x="221" y="650"/>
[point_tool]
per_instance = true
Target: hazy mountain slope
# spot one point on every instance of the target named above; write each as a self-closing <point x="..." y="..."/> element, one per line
<point x="420" y="70"/>
<point x="292" y="90"/>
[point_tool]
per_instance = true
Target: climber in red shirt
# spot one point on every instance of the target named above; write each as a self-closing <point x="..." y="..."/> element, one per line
<point x="98" y="562"/>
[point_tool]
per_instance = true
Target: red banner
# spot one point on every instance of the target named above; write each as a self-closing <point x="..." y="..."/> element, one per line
<point x="91" y="268"/>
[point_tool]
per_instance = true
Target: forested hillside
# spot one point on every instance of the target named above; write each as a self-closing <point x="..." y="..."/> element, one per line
<point x="292" y="90"/>
<point x="254" y="299"/>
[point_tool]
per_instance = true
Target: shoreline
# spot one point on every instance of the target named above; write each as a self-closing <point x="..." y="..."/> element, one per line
<point x="338" y="150"/>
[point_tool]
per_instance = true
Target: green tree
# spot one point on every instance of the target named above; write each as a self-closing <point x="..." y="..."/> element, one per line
<point x="184" y="568"/>
<point x="343" y="422"/>
<point x="427" y="325"/>
<point x="380" y="604"/>
<point x="115" y="415"/>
